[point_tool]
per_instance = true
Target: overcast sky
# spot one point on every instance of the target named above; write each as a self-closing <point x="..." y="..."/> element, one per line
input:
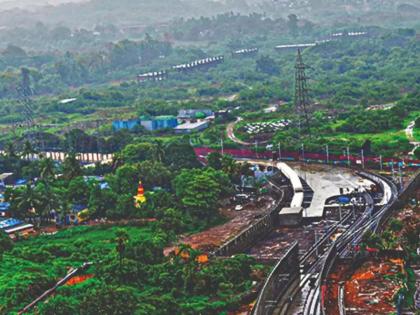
<point x="37" y="2"/>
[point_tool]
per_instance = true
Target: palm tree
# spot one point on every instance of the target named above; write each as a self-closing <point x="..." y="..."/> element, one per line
<point x="27" y="202"/>
<point x="27" y="149"/>
<point x="47" y="169"/>
<point x="160" y="150"/>
<point x="10" y="150"/>
<point x="71" y="167"/>
<point x="117" y="160"/>
<point x="121" y="241"/>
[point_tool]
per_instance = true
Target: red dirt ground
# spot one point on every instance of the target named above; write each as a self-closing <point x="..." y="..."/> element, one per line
<point x="214" y="237"/>
<point x="367" y="291"/>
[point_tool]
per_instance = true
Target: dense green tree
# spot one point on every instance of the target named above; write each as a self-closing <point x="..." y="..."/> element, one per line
<point x="47" y="169"/>
<point x="49" y="199"/>
<point x="121" y="241"/>
<point x="106" y="299"/>
<point x="125" y="180"/>
<point x="100" y="201"/>
<point x="179" y="154"/>
<point x="153" y="173"/>
<point x="267" y="65"/>
<point x="171" y="219"/>
<point x="27" y="149"/>
<point x="71" y="167"/>
<point x="214" y="160"/>
<point x="417" y="153"/>
<point x="372" y="240"/>
<point x="124" y="207"/>
<point x="292" y="24"/>
<point x="6" y="243"/>
<point x="78" y="191"/>
<point x="59" y="305"/>
<point x="199" y="191"/>
<point x="138" y="152"/>
<point x="24" y="201"/>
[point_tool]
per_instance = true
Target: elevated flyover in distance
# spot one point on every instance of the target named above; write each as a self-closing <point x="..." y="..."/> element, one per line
<point x="93" y="157"/>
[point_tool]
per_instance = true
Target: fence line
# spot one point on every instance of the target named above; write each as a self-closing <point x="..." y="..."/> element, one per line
<point x="351" y="160"/>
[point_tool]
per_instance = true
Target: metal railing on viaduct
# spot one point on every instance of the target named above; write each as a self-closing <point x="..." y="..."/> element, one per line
<point x="284" y="272"/>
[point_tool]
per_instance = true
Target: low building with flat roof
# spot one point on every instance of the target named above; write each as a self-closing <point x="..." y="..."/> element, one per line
<point x="147" y="122"/>
<point x="125" y="124"/>
<point x="190" y="127"/>
<point x="158" y="122"/>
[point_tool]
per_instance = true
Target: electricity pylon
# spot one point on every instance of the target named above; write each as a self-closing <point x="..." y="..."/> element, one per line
<point x="301" y="94"/>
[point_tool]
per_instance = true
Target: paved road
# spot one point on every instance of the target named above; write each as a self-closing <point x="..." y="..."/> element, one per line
<point x="409" y="131"/>
<point x="231" y="135"/>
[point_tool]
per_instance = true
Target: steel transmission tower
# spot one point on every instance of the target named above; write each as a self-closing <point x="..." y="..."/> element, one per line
<point x="25" y="92"/>
<point x="301" y="94"/>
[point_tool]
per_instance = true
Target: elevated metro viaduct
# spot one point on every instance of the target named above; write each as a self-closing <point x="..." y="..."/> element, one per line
<point x="310" y="257"/>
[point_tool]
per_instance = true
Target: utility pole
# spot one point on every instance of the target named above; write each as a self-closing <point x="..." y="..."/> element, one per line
<point x="392" y="170"/>
<point x="221" y="144"/>
<point x="328" y="153"/>
<point x="303" y="153"/>
<point x="348" y="156"/>
<point x="256" y="148"/>
<point x="380" y="162"/>
<point x="400" y="174"/>
<point x="301" y="93"/>
<point x="363" y="159"/>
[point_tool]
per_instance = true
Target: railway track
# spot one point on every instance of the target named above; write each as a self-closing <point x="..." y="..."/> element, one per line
<point x="304" y="296"/>
<point x="343" y="245"/>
